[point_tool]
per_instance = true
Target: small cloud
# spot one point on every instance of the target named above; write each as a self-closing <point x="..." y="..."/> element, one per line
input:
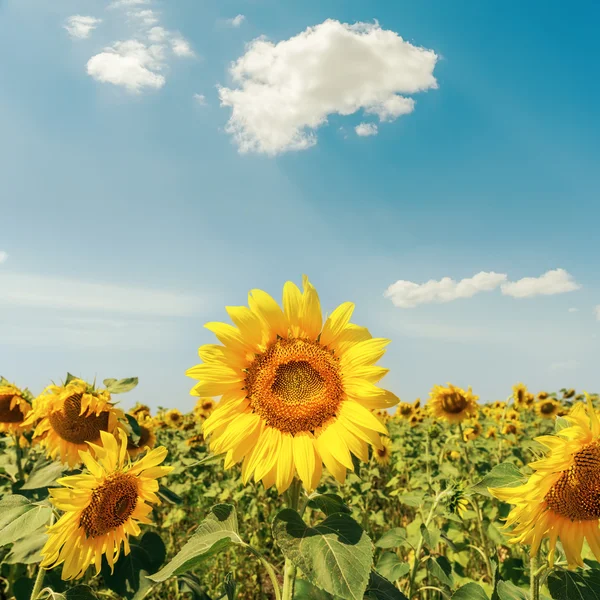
<point x="406" y="294"/>
<point x="130" y="64"/>
<point x="80" y="27"/>
<point x="158" y="35"/>
<point x="3" y="256"/>
<point x="181" y="47"/>
<point x="236" y="21"/>
<point x="366" y="129"/>
<point x="147" y="17"/>
<point x="118" y="3"/>
<point x="567" y="365"/>
<point x="553" y="282"/>
<point x="200" y="99"/>
<point x="573" y="310"/>
<point x="596" y="310"/>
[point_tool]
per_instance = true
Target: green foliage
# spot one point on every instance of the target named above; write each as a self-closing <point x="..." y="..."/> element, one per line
<point x="120" y="386"/>
<point x="19" y="517"/>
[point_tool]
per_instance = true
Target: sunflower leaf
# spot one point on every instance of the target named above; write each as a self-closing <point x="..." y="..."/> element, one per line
<point x="391" y="567"/>
<point x="218" y="531"/>
<point x="379" y="588"/>
<point x="471" y="591"/>
<point x="509" y="591"/>
<point x="19" y="517"/>
<point x="566" y="585"/>
<point x="394" y="538"/>
<point x="505" y="474"/>
<point x="335" y="555"/>
<point x="120" y="386"/>
<point x="43" y="476"/>
<point x="328" y="503"/>
<point x="27" y="551"/>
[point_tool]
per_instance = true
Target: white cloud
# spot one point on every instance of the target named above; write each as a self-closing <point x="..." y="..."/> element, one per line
<point x="147" y="17"/>
<point x="3" y="256"/>
<point x="596" y="309"/>
<point x="573" y="310"/>
<point x="567" y="365"/>
<point x="406" y="294"/>
<point x="200" y="99"/>
<point x="36" y="291"/>
<point x="80" y="27"/>
<point x="130" y="64"/>
<point x="118" y="3"/>
<point x="236" y="21"/>
<point x="287" y="90"/>
<point x="366" y="129"/>
<point x="553" y="282"/>
<point x="157" y="35"/>
<point x="181" y="47"/>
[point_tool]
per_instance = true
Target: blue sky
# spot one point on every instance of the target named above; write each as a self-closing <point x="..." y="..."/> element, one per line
<point x="130" y="218"/>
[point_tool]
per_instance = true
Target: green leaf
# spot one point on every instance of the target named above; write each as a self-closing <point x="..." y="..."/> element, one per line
<point x="218" y="531"/>
<point x="169" y="496"/>
<point x="414" y="500"/>
<point x="22" y="588"/>
<point x="560" y="424"/>
<point x="379" y="588"/>
<point x="329" y="504"/>
<point x="503" y="475"/>
<point x="471" y="591"/>
<point x="44" y="476"/>
<point x="441" y="569"/>
<point x="19" y="518"/>
<point x="394" y="538"/>
<point x="509" y="591"/>
<point x="188" y="582"/>
<point x="304" y="590"/>
<point x="430" y="537"/>
<point x="570" y="585"/>
<point x="230" y="584"/>
<point x="391" y="567"/>
<point x="335" y="555"/>
<point x="135" y="429"/>
<point x="27" y="551"/>
<point x="121" y="386"/>
<point x="70" y="378"/>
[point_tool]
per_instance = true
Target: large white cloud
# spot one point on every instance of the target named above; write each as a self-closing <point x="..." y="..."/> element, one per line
<point x="80" y="27"/>
<point x="407" y="294"/>
<point x="286" y="90"/>
<point x="553" y="282"/>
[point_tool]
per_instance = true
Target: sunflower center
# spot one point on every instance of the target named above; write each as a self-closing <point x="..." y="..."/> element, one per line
<point x="382" y="451"/>
<point x="110" y="506"/>
<point x="295" y="385"/>
<point x="547" y="408"/>
<point x="8" y="415"/>
<point x="576" y="495"/>
<point x="454" y="403"/>
<point x="76" y="428"/>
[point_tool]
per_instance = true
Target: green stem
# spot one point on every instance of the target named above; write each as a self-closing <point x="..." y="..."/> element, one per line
<point x="534" y="578"/>
<point x="19" y="453"/>
<point x="272" y="577"/>
<point x="488" y="562"/>
<point x="39" y="581"/>
<point x="290" y="570"/>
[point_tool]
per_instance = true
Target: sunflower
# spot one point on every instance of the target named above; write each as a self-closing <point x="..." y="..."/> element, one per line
<point x="195" y="440"/>
<point x="511" y="428"/>
<point x="512" y="415"/>
<point x="568" y="393"/>
<point x="499" y="405"/>
<point x="454" y="455"/>
<point x="417" y="404"/>
<point x="472" y="432"/>
<point x="147" y="439"/>
<point x="173" y="418"/>
<point x="547" y="409"/>
<point x="491" y="433"/>
<point x="14" y="407"/>
<point x="520" y="395"/>
<point x="404" y="410"/>
<point x="561" y="500"/>
<point x="296" y="393"/>
<point x="416" y="418"/>
<point x="458" y="504"/>
<point x="140" y="411"/>
<point x="453" y="403"/>
<point x="102" y="508"/>
<point x="204" y="407"/>
<point x="383" y="454"/>
<point x="542" y="395"/>
<point x="70" y="416"/>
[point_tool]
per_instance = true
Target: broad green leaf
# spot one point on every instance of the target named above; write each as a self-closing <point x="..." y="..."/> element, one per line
<point x="471" y="591"/>
<point x="379" y="588"/>
<point x="441" y="569"/>
<point x="430" y="536"/>
<point x="304" y="590"/>
<point x="121" y="386"/>
<point x="192" y="584"/>
<point x="229" y="585"/>
<point x="414" y="500"/>
<point x="503" y="475"/>
<point x="328" y="503"/>
<point x="391" y="567"/>
<point x="45" y="476"/>
<point x="19" y="518"/>
<point x="394" y="538"/>
<point x="218" y="531"/>
<point x="509" y="591"/>
<point x="27" y="550"/>
<point x="575" y="585"/>
<point x="335" y="555"/>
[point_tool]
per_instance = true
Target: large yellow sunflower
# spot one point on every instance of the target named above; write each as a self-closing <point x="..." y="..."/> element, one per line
<point x="102" y="508"/>
<point x="561" y="500"/>
<point x="453" y="403"/>
<point x="70" y="416"/>
<point x="14" y="408"/>
<point x="548" y="408"/>
<point x="296" y="393"/>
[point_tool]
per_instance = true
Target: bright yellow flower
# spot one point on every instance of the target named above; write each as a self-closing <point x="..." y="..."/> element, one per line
<point x="561" y="500"/>
<point x="14" y="408"/>
<point x="204" y="407"/>
<point x="491" y="433"/>
<point x="404" y="410"/>
<point x="453" y="403"/>
<point x="472" y="432"/>
<point x="454" y="455"/>
<point x="102" y="508"/>
<point x="383" y="454"/>
<point x="547" y="409"/>
<point x="297" y="393"/>
<point x="140" y="411"/>
<point x="511" y="427"/>
<point x="173" y="418"/>
<point x="512" y="415"/>
<point x="520" y="395"/>
<point x="70" y="416"/>
<point x="542" y="395"/>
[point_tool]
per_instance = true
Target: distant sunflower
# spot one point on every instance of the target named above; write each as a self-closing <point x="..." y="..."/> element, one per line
<point x="542" y="395"/>
<point x="512" y="415"/>
<point x="102" y="508"/>
<point x="511" y="428"/>
<point x="174" y="418"/>
<point x="453" y="403"/>
<point x="491" y="433"/>
<point x="70" y="416"/>
<point x="454" y="455"/>
<point x="14" y="408"/>
<point x="499" y="405"/>
<point x="204" y="407"/>
<point x="561" y="499"/>
<point x="547" y="409"/>
<point x="417" y="403"/>
<point x="195" y="440"/>
<point x="519" y="395"/>
<point x="140" y="411"/>
<point x="296" y="393"/>
<point x="416" y="418"/>
<point x="404" y="410"/>
<point x="383" y="454"/>
<point x="147" y="439"/>
<point x="472" y="432"/>
<point x="568" y="393"/>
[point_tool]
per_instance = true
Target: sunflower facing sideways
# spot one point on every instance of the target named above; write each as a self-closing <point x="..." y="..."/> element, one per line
<point x="382" y="455"/>
<point x="102" y="507"/>
<point x="561" y="500"/>
<point x="296" y="393"/>
<point x="14" y="408"/>
<point x="548" y="408"/>
<point x="453" y="403"/>
<point x="70" y="416"/>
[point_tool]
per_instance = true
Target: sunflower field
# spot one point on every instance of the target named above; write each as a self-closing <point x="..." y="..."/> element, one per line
<point x="296" y="476"/>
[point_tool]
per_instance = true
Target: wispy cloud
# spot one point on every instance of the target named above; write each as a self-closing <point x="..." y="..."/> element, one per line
<point x="567" y="365"/>
<point x="573" y="310"/>
<point x="286" y="90"/>
<point x="236" y="21"/>
<point x="80" y="27"/>
<point x="200" y="99"/>
<point x="553" y="282"/>
<point x="596" y="311"/>
<point x="3" y="256"/>
<point x="37" y="291"/>
<point x="126" y="3"/>
<point x="366" y="129"/>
